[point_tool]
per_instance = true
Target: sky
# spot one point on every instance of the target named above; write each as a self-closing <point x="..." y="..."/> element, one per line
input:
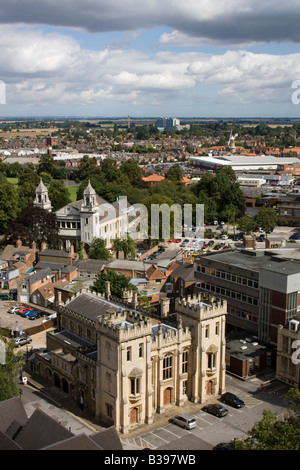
<point x="171" y="58"/>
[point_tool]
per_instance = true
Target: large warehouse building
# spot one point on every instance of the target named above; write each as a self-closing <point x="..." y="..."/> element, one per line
<point x="240" y="162"/>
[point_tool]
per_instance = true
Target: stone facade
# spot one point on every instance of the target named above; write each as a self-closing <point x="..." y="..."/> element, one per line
<point x="127" y="365"/>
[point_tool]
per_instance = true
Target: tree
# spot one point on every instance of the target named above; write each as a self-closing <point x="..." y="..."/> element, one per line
<point x="58" y="195"/>
<point x="98" y="249"/>
<point x="26" y="194"/>
<point x="246" y="224"/>
<point x="8" y="205"/>
<point x="9" y="371"/>
<point x="266" y="218"/>
<point x="174" y="173"/>
<point x="33" y="224"/>
<point x="117" y="283"/>
<point x="271" y="434"/>
<point x="132" y="170"/>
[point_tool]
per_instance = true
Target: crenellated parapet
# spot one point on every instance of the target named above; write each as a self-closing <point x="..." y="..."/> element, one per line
<point x="124" y="326"/>
<point x="164" y="335"/>
<point x="201" y="306"/>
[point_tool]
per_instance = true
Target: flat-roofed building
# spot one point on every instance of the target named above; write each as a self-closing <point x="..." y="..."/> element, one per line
<point x="261" y="288"/>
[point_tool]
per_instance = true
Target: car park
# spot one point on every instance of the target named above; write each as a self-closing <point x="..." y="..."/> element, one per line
<point x="185" y="421"/>
<point x="216" y="410"/>
<point x="21" y="340"/>
<point x="232" y="400"/>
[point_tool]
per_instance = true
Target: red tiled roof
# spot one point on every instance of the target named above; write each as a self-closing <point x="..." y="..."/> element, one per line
<point x="154" y="273"/>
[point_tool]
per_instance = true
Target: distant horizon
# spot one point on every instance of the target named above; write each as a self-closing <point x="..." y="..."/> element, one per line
<point x="125" y="118"/>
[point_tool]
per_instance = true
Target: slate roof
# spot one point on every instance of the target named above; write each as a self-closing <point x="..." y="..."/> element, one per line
<point x="81" y="442"/>
<point x="39" y="275"/>
<point x="185" y="271"/>
<point x="6" y="443"/>
<point x="40" y="431"/>
<point x="10" y="410"/>
<point x="91" y="306"/>
<point x="107" y="439"/>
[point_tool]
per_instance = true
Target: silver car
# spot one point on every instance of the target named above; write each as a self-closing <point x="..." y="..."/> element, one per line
<point x="22" y="340"/>
<point x="185" y="421"/>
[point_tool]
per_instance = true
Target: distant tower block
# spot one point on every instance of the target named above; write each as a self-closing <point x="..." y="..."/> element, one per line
<point x="128" y="122"/>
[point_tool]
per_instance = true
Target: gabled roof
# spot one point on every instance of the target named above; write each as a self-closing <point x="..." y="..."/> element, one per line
<point x="108" y="439"/>
<point x="40" y="431"/>
<point x="10" y="410"/>
<point x="154" y="273"/>
<point x="185" y="271"/>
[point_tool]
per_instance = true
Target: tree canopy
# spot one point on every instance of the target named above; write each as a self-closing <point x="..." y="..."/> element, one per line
<point x="117" y="283"/>
<point x="33" y="224"/>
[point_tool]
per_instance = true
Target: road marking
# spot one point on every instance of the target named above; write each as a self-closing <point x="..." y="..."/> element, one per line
<point x="155" y="435"/>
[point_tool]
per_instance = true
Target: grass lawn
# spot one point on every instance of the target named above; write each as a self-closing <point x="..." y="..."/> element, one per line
<point x="73" y="192"/>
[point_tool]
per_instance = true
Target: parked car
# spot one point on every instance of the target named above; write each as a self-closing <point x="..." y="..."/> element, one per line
<point x="37" y="314"/>
<point x="13" y="309"/>
<point x="224" y="237"/>
<point x="185" y="421"/>
<point x="21" y="340"/>
<point x="216" y="410"/>
<point x="21" y="310"/>
<point x="5" y="296"/>
<point x="27" y="312"/>
<point x="211" y="243"/>
<point x="232" y="400"/>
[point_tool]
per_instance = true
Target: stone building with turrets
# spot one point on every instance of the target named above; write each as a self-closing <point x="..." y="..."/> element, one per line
<point x="126" y="365"/>
<point x="88" y="218"/>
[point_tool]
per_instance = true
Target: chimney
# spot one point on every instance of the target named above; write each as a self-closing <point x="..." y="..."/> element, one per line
<point x="164" y="307"/>
<point x="134" y="299"/>
<point x="107" y="290"/>
<point x="18" y="243"/>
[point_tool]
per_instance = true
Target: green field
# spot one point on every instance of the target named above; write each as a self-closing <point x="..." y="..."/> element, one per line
<point x="73" y="192"/>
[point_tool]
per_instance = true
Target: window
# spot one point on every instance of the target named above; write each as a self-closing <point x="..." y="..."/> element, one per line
<point x="217" y="328"/>
<point x="184" y="387"/>
<point x="211" y="360"/>
<point x="167" y="367"/>
<point x="141" y="350"/>
<point x="129" y="353"/>
<point x="207" y="331"/>
<point x="184" y="362"/>
<point x="135" y="386"/>
<point x="109" y="410"/>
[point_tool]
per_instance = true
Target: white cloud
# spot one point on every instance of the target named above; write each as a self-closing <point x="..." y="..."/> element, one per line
<point x="45" y="69"/>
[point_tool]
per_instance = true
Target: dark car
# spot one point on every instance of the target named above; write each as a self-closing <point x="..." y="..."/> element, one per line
<point x="216" y="410"/>
<point x="37" y="314"/>
<point x="232" y="400"/>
